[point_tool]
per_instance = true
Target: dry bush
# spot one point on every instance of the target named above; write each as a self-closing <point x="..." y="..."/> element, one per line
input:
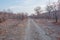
<point x="2" y="19"/>
<point x="2" y="31"/>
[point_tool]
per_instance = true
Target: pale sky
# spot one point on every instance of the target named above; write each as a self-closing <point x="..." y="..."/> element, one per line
<point x="23" y="5"/>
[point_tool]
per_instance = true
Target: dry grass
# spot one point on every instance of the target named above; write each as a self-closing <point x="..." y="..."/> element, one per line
<point x="58" y="38"/>
<point x="51" y="31"/>
<point x="7" y="26"/>
<point x="3" y="32"/>
<point x="56" y="23"/>
<point x="48" y="25"/>
<point x="2" y="20"/>
<point x="22" y="30"/>
<point x="42" y="22"/>
<point x="45" y="21"/>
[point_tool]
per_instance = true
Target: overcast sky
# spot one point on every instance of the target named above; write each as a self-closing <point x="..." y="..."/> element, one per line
<point x="23" y="5"/>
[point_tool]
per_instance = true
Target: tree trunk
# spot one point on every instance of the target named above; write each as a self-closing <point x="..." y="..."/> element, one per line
<point x="56" y="16"/>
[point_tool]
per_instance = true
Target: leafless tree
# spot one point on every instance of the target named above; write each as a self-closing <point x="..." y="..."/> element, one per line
<point x="38" y="10"/>
<point x="52" y="8"/>
<point x="49" y="9"/>
<point x="55" y="11"/>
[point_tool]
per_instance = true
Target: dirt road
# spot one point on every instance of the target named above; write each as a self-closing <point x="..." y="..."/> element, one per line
<point x="35" y="32"/>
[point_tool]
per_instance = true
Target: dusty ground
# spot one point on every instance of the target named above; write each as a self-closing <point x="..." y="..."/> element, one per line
<point x="35" y="32"/>
<point x="12" y="29"/>
<point x="52" y="29"/>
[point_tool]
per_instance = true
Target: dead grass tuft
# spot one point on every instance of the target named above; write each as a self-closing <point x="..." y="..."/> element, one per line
<point x="2" y="19"/>
<point x="58" y="23"/>
<point x="2" y="31"/>
<point x="58" y="38"/>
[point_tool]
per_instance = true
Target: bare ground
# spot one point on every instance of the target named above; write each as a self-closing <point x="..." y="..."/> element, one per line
<point x="52" y="29"/>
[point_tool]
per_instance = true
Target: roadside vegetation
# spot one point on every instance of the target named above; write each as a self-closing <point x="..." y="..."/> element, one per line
<point x="52" y="12"/>
<point x="9" y="22"/>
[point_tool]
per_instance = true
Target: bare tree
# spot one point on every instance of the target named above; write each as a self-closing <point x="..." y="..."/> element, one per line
<point x="49" y="9"/>
<point x="38" y="10"/>
<point x="55" y="11"/>
<point x="52" y="8"/>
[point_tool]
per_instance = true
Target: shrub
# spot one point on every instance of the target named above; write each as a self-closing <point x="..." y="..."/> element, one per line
<point x="2" y="19"/>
